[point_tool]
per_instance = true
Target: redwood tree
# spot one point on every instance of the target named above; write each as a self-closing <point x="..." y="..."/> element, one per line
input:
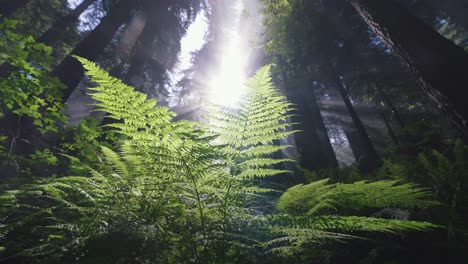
<point x="143" y="50"/>
<point x="439" y="66"/>
<point x="312" y="142"/>
<point x="70" y="71"/>
<point x="369" y="160"/>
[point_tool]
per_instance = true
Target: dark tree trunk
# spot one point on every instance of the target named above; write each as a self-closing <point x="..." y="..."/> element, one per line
<point x="142" y="54"/>
<point x="312" y="141"/>
<point x="57" y="31"/>
<point x="389" y="128"/>
<point x="389" y="103"/>
<point x="143" y="51"/>
<point x="369" y="160"/>
<point x="70" y="71"/>
<point x="354" y="142"/>
<point x="438" y="65"/>
<point x="9" y="7"/>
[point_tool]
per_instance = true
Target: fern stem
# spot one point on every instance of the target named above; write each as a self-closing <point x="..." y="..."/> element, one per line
<point x="226" y="198"/>
<point x="199" y="202"/>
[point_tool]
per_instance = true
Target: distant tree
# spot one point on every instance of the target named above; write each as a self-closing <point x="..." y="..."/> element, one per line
<point x="369" y="160"/>
<point x="312" y="142"/>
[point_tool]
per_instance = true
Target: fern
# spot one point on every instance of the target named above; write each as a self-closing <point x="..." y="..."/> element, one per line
<point x="248" y="132"/>
<point x="182" y="191"/>
<point x="311" y="205"/>
<point x="448" y="178"/>
<point x="248" y="135"/>
<point x="210" y="172"/>
<point x="318" y="195"/>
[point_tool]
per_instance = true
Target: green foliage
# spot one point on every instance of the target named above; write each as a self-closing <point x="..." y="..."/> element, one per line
<point x="27" y="90"/>
<point x="317" y="196"/>
<point x="180" y="191"/>
<point x="323" y="212"/>
<point x="449" y="181"/>
<point x="175" y="192"/>
<point x="80" y="145"/>
<point x="45" y="156"/>
<point x="447" y="175"/>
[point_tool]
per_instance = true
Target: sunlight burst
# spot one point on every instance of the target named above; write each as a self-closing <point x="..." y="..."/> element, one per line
<point x="227" y="82"/>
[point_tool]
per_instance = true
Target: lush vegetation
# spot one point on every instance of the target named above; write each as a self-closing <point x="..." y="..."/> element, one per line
<point x="173" y="191"/>
<point x="261" y="181"/>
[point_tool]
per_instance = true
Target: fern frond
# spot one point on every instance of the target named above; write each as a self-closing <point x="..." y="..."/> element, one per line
<point x="369" y="224"/>
<point x="142" y="120"/>
<point x="113" y="159"/>
<point x="380" y="194"/>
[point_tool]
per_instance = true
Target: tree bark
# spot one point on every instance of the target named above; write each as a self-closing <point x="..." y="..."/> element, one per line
<point x="142" y="54"/>
<point x="57" y="31"/>
<point x="70" y="71"/>
<point x="312" y="141"/>
<point x="369" y="159"/>
<point x="9" y="7"/>
<point x="439" y="66"/>
<point x="143" y="51"/>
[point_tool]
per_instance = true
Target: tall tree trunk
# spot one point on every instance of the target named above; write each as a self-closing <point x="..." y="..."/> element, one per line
<point x="389" y="127"/>
<point x="57" y="31"/>
<point x="9" y="7"/>
<point x="144" y="49"/>
<point x="354" y="142"/>
<point x="142" y="54"/>
<point x="70" y="71"/>
<point x="370" y="159"/>
<point x="438" y="65"/>
<point x="312" y="141"/>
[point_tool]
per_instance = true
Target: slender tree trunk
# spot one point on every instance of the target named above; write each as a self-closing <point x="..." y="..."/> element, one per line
<point x="389" y="128"/>
<point x="70" y="71"/>
<point x="57" y="31"/>
<point x="312" y="142"/>
<point x="388" y="102"/>
<point x="439" y="66"/>
<point x="370" y="159"/>
<point x="9" y="7"/>
<point x="354" y="142"/>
